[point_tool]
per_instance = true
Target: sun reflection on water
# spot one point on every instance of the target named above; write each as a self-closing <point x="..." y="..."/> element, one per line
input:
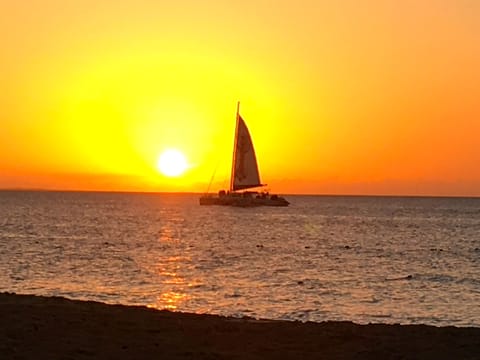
<point x="170" y="300"/>
<point x="169" y="270"/>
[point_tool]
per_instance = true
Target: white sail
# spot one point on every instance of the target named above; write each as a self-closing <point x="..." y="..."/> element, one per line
<point x="244" y="167"/>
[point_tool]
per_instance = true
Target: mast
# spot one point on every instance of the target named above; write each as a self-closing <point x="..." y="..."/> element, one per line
<point x="232" y="175"/>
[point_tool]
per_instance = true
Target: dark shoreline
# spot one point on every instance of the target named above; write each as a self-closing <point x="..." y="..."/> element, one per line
<point x="36" y="327"/>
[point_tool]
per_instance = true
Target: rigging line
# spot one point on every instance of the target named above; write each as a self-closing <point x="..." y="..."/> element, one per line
<point x="213" y="175"/>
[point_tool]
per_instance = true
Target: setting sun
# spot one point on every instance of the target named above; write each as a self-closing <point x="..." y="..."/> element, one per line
<point x="348" y="97"/>
<point x="172" y="163"/>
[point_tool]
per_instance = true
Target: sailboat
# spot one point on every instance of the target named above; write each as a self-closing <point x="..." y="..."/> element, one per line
<point x="244" y="175"/>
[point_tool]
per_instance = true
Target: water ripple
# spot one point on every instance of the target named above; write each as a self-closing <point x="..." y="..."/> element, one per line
<point x="391" y="260"/>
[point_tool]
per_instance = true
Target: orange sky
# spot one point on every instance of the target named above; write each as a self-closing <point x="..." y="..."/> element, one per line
<point x="341" y="97"/>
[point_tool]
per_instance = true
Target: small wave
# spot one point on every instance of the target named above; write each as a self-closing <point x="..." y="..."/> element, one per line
<point x="234" y="295"/>
<point x="440" y="278"/>
<point x="379" y="316"/>
<point x="407" y="277"/>
<point x="469" y="281"/>
<point x="301" y="315"/>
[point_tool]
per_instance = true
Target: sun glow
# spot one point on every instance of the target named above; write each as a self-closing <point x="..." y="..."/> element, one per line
<point x="172" y="163"/>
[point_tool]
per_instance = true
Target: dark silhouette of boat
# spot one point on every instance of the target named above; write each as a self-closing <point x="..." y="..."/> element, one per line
<point x="244" y="175"/>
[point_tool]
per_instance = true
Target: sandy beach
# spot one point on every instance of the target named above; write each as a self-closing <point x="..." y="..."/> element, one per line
<point x="35" y="327"/>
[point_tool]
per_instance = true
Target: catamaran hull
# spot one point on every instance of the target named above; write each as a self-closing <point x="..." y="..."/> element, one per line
<point x="242" y="201"/>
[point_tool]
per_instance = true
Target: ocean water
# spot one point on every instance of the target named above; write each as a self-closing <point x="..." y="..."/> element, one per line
<point x="364" y="259"/>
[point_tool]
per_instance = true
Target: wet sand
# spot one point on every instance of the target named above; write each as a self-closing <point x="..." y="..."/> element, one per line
<point x="34" y="327"/>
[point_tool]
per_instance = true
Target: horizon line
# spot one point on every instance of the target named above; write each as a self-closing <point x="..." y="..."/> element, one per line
<point x="28" y="189"/>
